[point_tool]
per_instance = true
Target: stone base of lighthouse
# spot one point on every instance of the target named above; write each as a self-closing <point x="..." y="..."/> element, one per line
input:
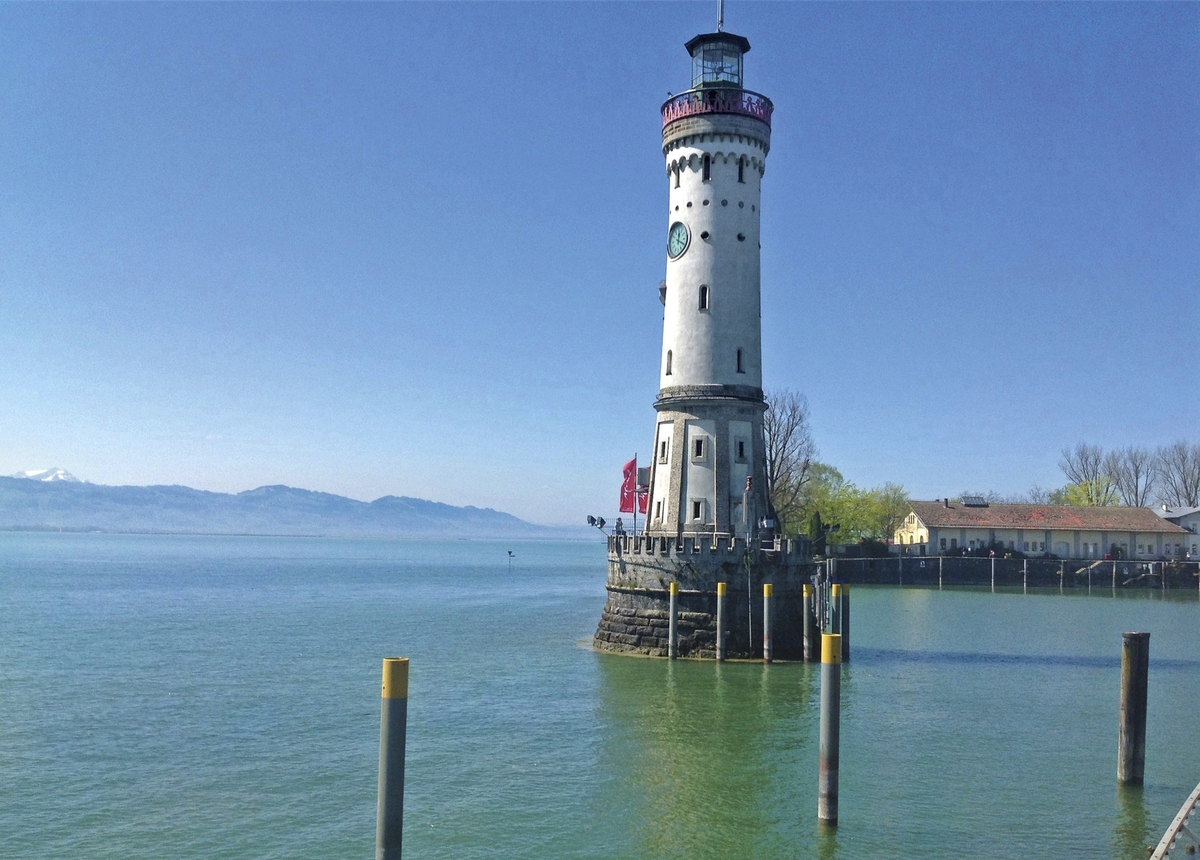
<point x="640" y="572"/>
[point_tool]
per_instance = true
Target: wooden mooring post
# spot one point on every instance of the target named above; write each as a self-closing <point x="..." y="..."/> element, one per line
<point x="830" y="738"/>
<point x="1135" y="672"/>
<point x="393" y="729"/>
<point x="940" y="558"/>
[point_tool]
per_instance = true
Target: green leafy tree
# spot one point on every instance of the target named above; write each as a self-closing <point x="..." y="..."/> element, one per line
<point x="1088" y="494"/>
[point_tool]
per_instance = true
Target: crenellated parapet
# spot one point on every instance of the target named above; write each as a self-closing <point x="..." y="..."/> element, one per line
<point x="641" y="569"/>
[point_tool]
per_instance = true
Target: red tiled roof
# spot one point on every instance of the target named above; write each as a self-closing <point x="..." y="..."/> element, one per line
<point x="1114" y="519"/>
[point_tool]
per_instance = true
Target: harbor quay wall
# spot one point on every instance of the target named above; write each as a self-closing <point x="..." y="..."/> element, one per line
<point x="635" y="618"/>
<point x="1018" y="572"/>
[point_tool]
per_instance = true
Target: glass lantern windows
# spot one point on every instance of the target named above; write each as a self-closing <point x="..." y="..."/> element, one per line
<point x="716" y="63"/>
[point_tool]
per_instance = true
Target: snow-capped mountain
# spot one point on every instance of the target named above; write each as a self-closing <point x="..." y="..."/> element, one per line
<point x="48" y="475"/>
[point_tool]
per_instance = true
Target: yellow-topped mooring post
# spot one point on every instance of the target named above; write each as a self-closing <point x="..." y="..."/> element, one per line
<point x="844" y="622"/>
<point x="810" y="624"/>
<point x="768" y="593"/>
<point x="831" y="717"/>
<point x="722" y="590"/>
<point x="672" y="623"/>
<point x="835" y="608"/>
<point x="393" y="727"/>
<point x="1131" y="734"/>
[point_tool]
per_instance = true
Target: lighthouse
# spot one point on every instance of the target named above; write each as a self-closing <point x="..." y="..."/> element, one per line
<point x="709" y="521"/>
<point x="708" y="436"/>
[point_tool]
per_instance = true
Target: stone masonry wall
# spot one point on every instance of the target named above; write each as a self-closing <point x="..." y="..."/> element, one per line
<point x="635" y="615"/>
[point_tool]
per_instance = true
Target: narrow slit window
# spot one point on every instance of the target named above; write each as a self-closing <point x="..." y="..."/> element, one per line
<point x="677" y="172"/>
<point x="742" y="169"/>
<point x="697" y="510"/>
<point x="740" y="367"/>
<point x="658" y="510"/>
<point x="668" y="371"/>
<point x="707" y="168"/>
<point x="741" y="455"/>
<point x="662" y="451"/>
<point x="703" y="297"/>
<point x="698" y="449"/>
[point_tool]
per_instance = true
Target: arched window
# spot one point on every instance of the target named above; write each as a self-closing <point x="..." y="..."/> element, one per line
<point x="703" y="297"/>
<point x="668" y="373"/>
<point x="707" y="168"/>
<point x="741" y="169"/>
<point x="740" y="368"/>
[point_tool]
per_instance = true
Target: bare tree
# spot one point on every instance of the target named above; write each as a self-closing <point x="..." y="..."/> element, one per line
<point x="1178" y="468"/>
<point x="1133" y="473"/>
<point x="1084" y="467"/>
<point x="1037" y="495"/>
<point x="790" y="453"/>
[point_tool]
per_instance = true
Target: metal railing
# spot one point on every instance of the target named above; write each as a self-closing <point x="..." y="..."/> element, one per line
<point x="697" y="102"/>
<point x="1179" y="827"/>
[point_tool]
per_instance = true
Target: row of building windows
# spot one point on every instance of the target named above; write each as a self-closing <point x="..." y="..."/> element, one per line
<point x="741" y="205"/>
<point x="706" y="170"/>
<point x="698" y="450"/>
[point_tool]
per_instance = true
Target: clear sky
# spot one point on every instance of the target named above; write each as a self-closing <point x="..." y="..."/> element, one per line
<point x="414" y="249"/>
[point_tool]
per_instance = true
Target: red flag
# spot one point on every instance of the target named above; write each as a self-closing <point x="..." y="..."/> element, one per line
<point x="629" y="487"/>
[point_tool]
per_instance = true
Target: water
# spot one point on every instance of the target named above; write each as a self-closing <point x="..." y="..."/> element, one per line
<point x="219" y="698"/>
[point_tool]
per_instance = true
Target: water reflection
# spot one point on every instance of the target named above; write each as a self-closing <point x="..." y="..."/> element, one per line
<point x="708" y="759"/>
<point x="1132" y="833"/>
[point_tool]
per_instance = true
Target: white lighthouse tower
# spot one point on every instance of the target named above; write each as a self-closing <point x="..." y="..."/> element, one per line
<point x="708" y="530"/>
<point x="709" y="437"/>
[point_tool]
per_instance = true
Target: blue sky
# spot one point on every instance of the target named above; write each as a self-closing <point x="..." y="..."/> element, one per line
<point x="414" y="249"/>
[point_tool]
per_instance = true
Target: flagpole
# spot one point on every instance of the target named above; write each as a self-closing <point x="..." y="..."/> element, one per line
<point x="635" y="494"/>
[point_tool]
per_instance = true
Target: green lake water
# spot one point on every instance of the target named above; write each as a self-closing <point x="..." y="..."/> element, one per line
<point x="216" y="697"/>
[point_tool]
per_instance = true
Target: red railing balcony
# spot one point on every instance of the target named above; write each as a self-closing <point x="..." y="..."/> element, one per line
<point x="717" y="100"/>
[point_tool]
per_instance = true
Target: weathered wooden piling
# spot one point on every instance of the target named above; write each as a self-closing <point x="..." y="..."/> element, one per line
<point x="722" y="589"/>
<point x="844" y="618"/>
<point x="1135" y="672"/>
<point x="768" y="590"/>
<point x="830" y="741"/>
<point x="811" y="635"/>
<point x="393" y="728"/>
<point x="673" y="623"/>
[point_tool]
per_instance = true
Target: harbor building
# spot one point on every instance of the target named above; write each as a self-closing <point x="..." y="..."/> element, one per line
<point x="709" y="518"/>
<point x="952" y="527"/>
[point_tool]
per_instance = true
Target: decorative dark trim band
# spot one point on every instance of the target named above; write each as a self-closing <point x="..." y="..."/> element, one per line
<point x="686" y="393"/>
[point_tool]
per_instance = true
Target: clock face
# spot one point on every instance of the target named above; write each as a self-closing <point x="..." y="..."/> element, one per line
<point x="677" y="240"/>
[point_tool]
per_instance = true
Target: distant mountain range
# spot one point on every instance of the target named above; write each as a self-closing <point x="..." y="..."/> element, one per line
<point x="54" y="474"/>
<point x="54" y="500"/>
